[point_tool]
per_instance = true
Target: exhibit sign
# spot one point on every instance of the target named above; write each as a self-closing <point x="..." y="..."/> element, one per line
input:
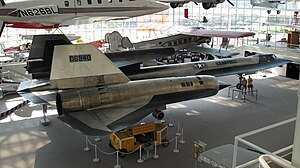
<point x="199" y="147"/>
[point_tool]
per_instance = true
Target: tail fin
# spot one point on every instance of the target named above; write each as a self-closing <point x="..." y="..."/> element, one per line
<point x="2" y="2"/>
<point x="2" y="25"/>
<point x="83" y="65"/>
<point x="117" y="42"/>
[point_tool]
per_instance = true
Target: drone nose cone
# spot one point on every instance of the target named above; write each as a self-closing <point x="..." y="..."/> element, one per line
<point x="285" y="60"/>
<point x="164" y="7"/>
<point x="282" y="61"/>
<point x="160" y="7"/>
<point x="223" y="85"/>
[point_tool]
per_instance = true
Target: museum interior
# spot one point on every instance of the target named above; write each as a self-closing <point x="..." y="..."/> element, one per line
<point x="149" y="83"/>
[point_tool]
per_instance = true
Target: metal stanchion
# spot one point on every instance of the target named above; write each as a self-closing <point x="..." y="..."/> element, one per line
<point x="96" y="159"/>
<point x="155" y="154"/>
<point x="182" y="141"/>
<point x="44" y="120"/>
<point x="117" y="165"/>
<point x="98" y="139"/>
<point x="87" y="148"/>
<point x="140" y="160"/>
<point x="178" y="129"/>
<point x="176" y="150"/>
<point x="171" y="124"/>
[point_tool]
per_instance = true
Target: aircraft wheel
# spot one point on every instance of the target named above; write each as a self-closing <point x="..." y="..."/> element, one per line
<point x="278" y="12"/>
<point x="207" y="5"/>
<point x="158" y="115"/>
<point x="165" y="142"/>
<point x="122" y="153"/>
<point x="269" y="11"/>
<point x="174" y="5"/>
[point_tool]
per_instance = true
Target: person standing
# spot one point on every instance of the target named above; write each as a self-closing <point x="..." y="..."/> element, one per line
<point x="250" y="85"/>
<point x="244" y="83"/>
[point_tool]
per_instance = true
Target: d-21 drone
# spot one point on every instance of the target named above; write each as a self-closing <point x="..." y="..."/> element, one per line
<point x="206" y="4"/>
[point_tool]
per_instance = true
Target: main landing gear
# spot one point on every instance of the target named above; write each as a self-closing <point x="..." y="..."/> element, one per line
<point x="158" y="114"/>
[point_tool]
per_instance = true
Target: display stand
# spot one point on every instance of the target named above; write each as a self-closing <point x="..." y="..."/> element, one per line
<point x="44" y="120"/>
<point x="117" y="165"/>
<point x="98" y="139"/>
<point x="176" y="150"/>
<point x="148" y="149"/>
<point x="182" y="141"/>
<point x="243" y="93"/>
<point x="140" y="160"/>
<point x="86" y="148"/>
<point x="155" y="154"/>
<point x="178" y="129"/>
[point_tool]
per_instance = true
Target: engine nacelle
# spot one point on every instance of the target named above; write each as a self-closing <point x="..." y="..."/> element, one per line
<point x="158" y="115"/>
<point x="77" y="100"/>
<point x="176" y="4"/>
<point x="2" y="94"/>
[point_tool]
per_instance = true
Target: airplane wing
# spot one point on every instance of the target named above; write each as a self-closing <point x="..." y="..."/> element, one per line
<point x="30" y="90"/>
<point x="94" y="122"/>
<point x="104" y="121"/>
<point x="89" y="20"/>
<point x="171" y="1"/>
<point x="131" y="57"/>
<point x="216" y="33"/>
<point x="71" y="37"/>
<point x="213" y="51"/>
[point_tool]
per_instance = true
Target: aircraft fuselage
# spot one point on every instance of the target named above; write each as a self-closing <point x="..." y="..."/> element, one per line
<point x="220" y="67"/>
<point x="136" y="93"/>
<point x="65" y="11"/>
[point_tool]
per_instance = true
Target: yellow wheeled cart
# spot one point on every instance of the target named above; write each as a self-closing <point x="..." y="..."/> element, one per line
<point x="129" y="139"/>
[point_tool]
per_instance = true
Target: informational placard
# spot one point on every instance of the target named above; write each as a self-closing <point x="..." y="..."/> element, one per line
<point x="199" y="147"/>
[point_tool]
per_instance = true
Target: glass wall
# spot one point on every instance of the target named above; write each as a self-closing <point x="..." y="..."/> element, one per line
<point x="241" y="17"/>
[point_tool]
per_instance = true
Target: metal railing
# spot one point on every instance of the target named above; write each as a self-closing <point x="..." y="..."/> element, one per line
<point x="241" y="139"/>
<point x="264" y="161"/>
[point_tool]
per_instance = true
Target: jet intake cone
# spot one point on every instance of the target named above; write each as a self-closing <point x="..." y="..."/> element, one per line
<point x="223" y="85"/>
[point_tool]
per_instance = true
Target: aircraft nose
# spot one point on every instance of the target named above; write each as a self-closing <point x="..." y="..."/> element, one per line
<point x="159" y="6"/>
<point x="285" y="60"/>
<point x="223" y="85"/>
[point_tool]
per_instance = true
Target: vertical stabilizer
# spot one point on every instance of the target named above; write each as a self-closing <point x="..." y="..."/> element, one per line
<point x="83" y="65"/>
<point x="2" y="2"/>
<point x="2" y="25"/>
<point x="117" y="42"/>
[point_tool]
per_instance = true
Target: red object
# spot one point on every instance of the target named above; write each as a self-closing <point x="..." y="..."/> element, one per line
<point x="12" y="49"/>
<point x="31" y="25"/>
<point x="186" y="13"/>
<point x="98" y="43"/>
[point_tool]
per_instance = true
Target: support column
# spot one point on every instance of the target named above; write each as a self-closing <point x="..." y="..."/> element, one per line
<point x="296" y="147"/>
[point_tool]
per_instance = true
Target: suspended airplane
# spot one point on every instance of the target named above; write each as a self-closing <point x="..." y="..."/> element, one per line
<point x="45" y="14"/>
<point x="268" y="4"/>
<point x="98" y="101"/>
<point x="206" y="4"/>
<point x="188" y="39"/>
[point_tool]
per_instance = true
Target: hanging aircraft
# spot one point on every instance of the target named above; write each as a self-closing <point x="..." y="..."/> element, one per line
<point x="187" y="38"/>
<point x="273" y="4"/>
<point x="98" y="101"/>
<point x="45" y="14"/>
<point x="206" y="4"/>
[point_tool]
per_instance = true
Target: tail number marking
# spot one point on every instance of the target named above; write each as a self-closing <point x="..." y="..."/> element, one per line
<point x="80" y="58"/>
<point x="42" y="11"/>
